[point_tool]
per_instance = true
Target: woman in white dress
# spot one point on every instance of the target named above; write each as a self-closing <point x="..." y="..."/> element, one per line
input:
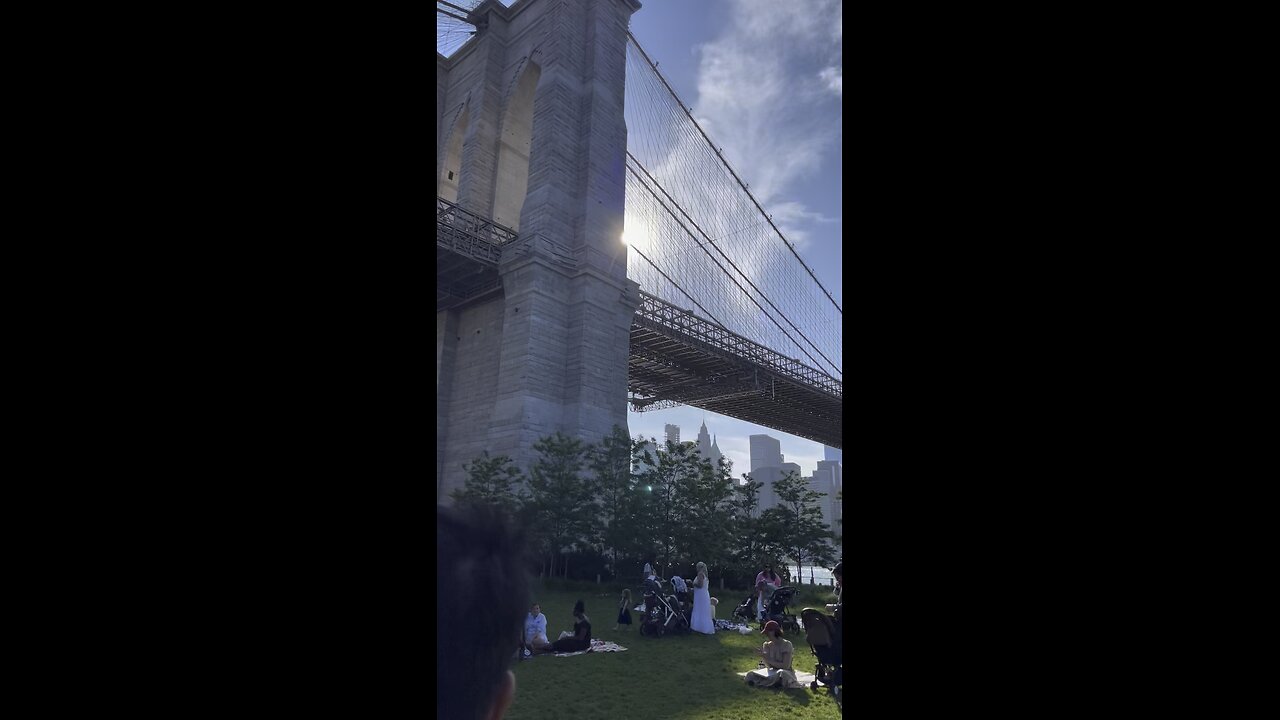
<point x="701" y="620"/>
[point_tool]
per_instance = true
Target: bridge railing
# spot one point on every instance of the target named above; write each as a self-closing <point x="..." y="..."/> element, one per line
<point x="666" y="314"/>
<point x="468" y="233"/>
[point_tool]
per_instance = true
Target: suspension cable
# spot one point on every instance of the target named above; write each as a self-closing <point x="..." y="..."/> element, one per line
<point x="735" y="267"/>
<point x="741" y="184"/>
<point x="722" y="269"/>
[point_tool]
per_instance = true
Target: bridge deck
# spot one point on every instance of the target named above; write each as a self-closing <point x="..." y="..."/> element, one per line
<point x="676" y="358"/>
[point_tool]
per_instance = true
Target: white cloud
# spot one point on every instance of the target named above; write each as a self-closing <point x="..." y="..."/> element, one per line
<point x="792" y="212"/>
<point x="834" y="80"/>
<point x="764" y="97"/>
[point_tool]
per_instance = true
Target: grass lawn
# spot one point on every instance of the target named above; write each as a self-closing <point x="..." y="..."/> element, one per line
<point x="690" y="676"/>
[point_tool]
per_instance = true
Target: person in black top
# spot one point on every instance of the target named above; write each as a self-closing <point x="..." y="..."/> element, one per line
<point x="580" y="639"/>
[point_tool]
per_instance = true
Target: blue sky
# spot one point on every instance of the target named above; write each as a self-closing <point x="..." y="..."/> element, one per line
<point x="765" y="80"/>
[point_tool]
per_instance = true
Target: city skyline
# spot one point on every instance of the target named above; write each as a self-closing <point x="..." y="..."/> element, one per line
<point x="737" y="449"/>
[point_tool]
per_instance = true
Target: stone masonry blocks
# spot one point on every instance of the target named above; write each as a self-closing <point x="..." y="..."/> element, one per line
<point x="550" y="352"/>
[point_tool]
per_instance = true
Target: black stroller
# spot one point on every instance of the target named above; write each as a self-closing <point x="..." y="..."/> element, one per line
<point x="662" y="612"/>
<point x="777" y="609"/>
<point x="823" y="635"/>
<point x="746" y="612"/>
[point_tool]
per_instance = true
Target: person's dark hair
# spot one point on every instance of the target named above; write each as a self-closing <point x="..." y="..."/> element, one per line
<point x="480" y="559"/>
<point x="838" y="570"/>
<point x="579" y="608"/>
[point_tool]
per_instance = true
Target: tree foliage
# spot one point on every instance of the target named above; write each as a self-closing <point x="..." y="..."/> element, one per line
<point x="493" y="480"/>
<point x="611" y="463"/>
<point x="623" y="501"/>
<point x="797" y="522"/>
<point x="562" y="504"/>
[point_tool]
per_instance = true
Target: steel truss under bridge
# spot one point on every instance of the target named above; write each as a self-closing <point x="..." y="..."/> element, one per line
<point x="678" y="358"/>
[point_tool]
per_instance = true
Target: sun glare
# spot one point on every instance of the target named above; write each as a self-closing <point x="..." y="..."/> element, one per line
<point x="634" y="237"/>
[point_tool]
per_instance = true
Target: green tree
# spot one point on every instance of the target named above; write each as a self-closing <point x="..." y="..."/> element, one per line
<point x="644" y="507"/>
<point x="798" y="521"/>
<point x="839" y="529"/>
<point x="492" y="480"/>
<point x="561" y="504"/>
<point x="747" y="546"/>
<point x="704" y="506"/>
<point x="665" y="482"/>
<point x="611" y="464"/>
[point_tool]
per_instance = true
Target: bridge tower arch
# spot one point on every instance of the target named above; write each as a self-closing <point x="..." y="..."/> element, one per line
<point x="511" y="183"/>
<point x="542" y="152"/>
<point x="451" y="168"/>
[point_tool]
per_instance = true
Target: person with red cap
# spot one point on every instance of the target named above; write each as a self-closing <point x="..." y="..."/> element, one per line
<point x="777" y="660"/>
<point x="777" y="652"/>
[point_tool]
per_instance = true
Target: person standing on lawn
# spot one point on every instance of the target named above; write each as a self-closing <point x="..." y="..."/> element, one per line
<point x="624" y="609"/>
<point x="701" y="621"/>
<point x="765" y="578"/>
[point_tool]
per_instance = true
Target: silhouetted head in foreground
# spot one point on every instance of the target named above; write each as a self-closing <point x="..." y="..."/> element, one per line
<point x="480" y="560"/>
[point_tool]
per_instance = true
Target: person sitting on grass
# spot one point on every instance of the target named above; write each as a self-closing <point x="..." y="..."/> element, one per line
<point x="579" y="639"/>
<point x="777" y="654"/>
<point x="535" y="631"/>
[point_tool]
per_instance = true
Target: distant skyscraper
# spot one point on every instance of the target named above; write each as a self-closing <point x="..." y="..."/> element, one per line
<point x="767" y="467"/>
<point x="708" y="447"/>
<point x="830" y="453"/>
<point x="766" y="452"/>
<point x="828" y="481"/>
<point x="673" y="433"/>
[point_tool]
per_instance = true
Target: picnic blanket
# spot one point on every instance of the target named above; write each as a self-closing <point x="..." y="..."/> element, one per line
<point x="726" y="625"/>
<point x="760" y="677"/>
<point x="597" y="646"/>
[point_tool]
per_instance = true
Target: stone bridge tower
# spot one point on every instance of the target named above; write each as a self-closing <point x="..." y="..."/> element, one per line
<point x="531" y="135"/>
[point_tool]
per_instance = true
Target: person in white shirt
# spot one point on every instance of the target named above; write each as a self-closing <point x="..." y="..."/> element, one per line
<point x="535" y="631"/>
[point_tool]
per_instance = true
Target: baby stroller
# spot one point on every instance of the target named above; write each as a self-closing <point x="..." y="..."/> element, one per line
<point x="662" y="612"/>
<point x="777" y="608"/>
<point x="823" y="635"/>
<point x="746" y="612"/>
